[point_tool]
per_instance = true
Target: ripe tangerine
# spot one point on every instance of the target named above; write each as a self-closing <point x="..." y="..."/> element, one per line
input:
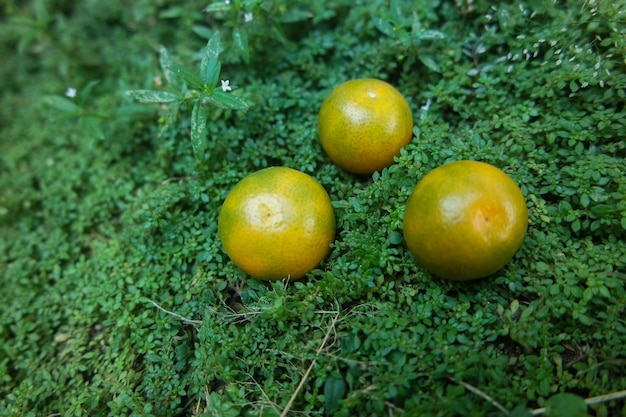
<point x="363" y="124"/>
<point x="277" y="223"/>
<point x="465" y="220"/>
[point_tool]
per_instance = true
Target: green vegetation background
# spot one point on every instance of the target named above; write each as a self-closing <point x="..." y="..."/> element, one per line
<point x="117" y="298"/>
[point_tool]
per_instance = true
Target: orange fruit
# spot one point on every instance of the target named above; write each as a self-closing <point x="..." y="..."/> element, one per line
<point x="465" y="220"/>
<point x="363" y="124"/>
<point x="277" y="223"/>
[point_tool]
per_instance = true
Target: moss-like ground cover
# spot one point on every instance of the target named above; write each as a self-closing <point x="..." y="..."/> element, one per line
<point x="117" y="298"/>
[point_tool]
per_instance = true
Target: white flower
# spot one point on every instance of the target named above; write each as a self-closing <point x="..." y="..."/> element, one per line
<point x="226" y="85"/>
<point x="227" y="1"/>
<point x="70" y="92"/>
<point x="247" y="17"/>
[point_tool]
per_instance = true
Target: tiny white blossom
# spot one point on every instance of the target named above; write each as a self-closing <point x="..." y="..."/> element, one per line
<point x="226" y="85"/>
<point x="70" y="92"/>
<point x="227" y="1"/>
<point x="424" y="109"/>
<point x="248" y="16"/>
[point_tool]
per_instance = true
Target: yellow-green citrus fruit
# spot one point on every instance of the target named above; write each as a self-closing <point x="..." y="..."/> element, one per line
<point x="277" y="223"/>
<point x="465" y="220"/>
<point x="363" y="124"/>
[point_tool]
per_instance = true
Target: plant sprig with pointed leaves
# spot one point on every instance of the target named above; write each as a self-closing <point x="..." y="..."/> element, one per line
<point x="409" y="33"/>
<point x="74" y="105"/>
<point x="241" y="16"/>
<point x="201" y="89"/>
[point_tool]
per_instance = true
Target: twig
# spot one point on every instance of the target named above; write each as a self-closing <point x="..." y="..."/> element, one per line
<point x="308" y="371"/>
<point x="263" y="393"/>
<point x="172" y="179"/>
<point x="482" y="394"/>
<point x="178" y="316"/>
<point x="592" y="400"/>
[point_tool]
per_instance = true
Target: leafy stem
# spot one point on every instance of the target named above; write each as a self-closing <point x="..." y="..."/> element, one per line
<point x="200" y="89"/>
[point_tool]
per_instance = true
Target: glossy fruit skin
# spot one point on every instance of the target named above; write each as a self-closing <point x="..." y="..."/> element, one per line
<point x="465" y="220"/>
<point x="363" y="124"/>
<point x="277" y="223"/>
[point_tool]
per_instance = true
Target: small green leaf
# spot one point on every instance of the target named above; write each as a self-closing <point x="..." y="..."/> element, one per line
<point x="61" y="103"/>
<point x="403" y="37"/>
<point x="396" y="12"/>
<point x="334" y="391"/>
<point x="41" y="12"/>
<point x="383" y="25"/>
<point x="350" y="343"/>
<point x="172" y="12"/>
<point x="220" y="6"/>
<point x="93" y="126"/>
<point x="429" y="62"/>
<point x="226" y="100"/>
<point x="278" y="31"/>
<point x="566" y="404"/>
<point x="585" y="319"/>
<point x="240" y="36"/>
<point x="395" y="237"/>
<point x="602" y="210"/>
<point x="210" y="66"/>
<point x="202" y="31"/>
<point x="198" y="129"/>
<point x="294" y="15"/>
<point x="85" y="91"/>
<point x="520" y="411"/>
<point x="151" y="96"/>
<point x="165" y="62"/>
<point x="169" y="117"/>
<point x="584" y="200"/>
<point x="595" y="225"/>
<point x="604" y="291"/>
<point x="187" y="75"/>
<point x="428" y="35"/>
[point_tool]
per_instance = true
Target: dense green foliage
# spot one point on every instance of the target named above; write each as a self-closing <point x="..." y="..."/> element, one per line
<point x="117" y="298"/>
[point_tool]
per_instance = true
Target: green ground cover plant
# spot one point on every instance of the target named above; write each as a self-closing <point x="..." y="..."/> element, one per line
<point x="118" y="299"/>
